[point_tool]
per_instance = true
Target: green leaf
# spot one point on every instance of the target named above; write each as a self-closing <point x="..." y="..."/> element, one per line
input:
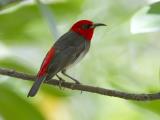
<point x="13" y="107"/>
<point x="28" y="25"/>
<point x="14" y="64"/>
<point x="152" y="106"/>
<point x="154" y="8"/>
<point x="146" y="19"/>
<point x="55" y="91"/>
<point x="49" y="17"/>
<point x="4" y="3"/>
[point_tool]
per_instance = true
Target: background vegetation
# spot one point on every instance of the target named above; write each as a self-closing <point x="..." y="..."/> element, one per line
<point x="123" y="56"/>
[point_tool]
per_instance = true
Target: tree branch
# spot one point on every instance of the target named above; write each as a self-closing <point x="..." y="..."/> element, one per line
<point x="73" y="86"/>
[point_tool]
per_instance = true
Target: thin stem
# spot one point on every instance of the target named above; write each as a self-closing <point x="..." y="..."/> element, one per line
<point x="87" y="88"/>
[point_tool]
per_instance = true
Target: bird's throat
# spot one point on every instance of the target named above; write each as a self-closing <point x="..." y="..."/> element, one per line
<point x="87" y="34"/>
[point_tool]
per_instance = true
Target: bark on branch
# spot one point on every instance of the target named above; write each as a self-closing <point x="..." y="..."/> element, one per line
<point x="87" y="88"/>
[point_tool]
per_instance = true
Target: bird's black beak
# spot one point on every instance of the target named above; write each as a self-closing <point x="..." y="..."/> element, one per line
<point x="98" y="24"/>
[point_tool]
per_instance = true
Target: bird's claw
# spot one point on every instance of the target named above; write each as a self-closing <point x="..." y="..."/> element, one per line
<point x="60" y="83"/>
<point x="76" y="83"/>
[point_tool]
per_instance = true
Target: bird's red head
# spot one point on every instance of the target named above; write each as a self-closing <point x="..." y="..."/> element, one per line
<point x="85" y="28"/>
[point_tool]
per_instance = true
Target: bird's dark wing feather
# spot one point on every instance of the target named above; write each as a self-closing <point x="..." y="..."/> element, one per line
<point x="69" y="39"/>
<point x="67" y="50"/>
<point x="61" y="60"/>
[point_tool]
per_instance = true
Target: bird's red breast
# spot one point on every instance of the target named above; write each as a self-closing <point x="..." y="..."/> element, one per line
<point x="46" y="62"/>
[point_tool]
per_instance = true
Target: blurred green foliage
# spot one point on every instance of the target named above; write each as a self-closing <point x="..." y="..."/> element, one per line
<point x="10" y="101"/>
<point x="147" y="19"/>
<point x="117" y="59"/>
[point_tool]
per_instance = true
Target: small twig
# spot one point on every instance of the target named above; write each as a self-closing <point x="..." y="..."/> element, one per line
<point x="49" y="18"/>
<point x="87" y="88"/>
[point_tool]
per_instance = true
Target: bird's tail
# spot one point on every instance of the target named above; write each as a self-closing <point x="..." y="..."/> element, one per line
<point x="36" y="86"/>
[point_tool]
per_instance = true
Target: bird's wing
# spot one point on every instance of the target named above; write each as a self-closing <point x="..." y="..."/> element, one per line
<point x="64" y="53"/>
<point x="61" y="60"/>
<point x="47" y="60"/>
<point x="61" y="44"/>
<point x="71" y="38"/>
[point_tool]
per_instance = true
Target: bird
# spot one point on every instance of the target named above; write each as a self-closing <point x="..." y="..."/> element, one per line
<point x="69" y="49"/>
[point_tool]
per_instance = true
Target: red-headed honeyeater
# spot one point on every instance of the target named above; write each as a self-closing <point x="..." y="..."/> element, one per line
<point x="67" y="50"/>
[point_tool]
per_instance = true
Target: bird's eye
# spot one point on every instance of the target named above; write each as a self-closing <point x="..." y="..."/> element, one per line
<point x="86" y="26"/>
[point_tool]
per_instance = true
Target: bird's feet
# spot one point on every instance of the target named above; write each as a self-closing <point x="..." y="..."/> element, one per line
<point x="74" y="84"/>
<point x="76" y="81"/>
<point x="60" y="83"/>
<point x="61" y="80"/>
<point x="65" y="74"/>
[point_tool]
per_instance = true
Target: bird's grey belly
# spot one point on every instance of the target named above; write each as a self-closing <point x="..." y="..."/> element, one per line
<point x="80" y="56"/>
